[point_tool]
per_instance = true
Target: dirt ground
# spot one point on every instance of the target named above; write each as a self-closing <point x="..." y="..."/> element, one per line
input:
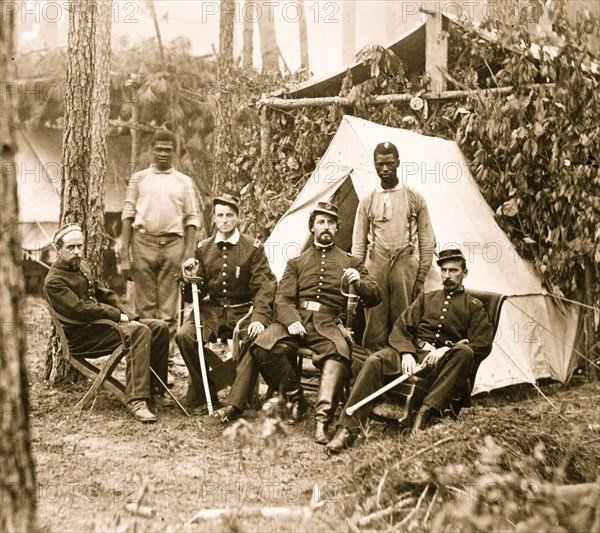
<point x="103" y="471"/>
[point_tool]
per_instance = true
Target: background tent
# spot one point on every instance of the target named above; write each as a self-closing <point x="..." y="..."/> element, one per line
<point x="536" y="336"/>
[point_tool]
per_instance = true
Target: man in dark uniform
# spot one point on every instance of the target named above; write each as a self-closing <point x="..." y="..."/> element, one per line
<point x="72" y="292"/>
<point x="448" y="330"/>
<point x="309" y="305"/>
<point x="233" y="270"/>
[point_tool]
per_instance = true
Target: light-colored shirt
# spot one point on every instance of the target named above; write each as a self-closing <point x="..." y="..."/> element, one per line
<point x="393" y="219"/>
<point x="161" y="201"/>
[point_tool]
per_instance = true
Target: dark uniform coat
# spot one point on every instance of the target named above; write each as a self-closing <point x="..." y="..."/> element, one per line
<point x="316" y="276"/>
<point x="235" y="275"/>
<point x="440" y="318"/>
<point x="73" y="293"/>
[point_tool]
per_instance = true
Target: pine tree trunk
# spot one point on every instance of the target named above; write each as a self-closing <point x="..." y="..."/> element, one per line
<point x="303" y="34"/>
<point x="17" y="470"/>
<point x="268" y="42"/>
<point x="84" y="142"/>
<point x="100" y="108"/>
<point x="223" y="126"/>
<point x="249" y="14"/>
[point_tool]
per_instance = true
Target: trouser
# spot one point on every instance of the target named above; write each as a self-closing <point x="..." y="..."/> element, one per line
<point x="246" y="375"/>
<point x="440" y="383"/>
<point x="156" y="267"/>
<point x="149" y="347"/>
<point x="396" y="275"/>
<point x="275" y="365"/>
<point x="187" y="342"/>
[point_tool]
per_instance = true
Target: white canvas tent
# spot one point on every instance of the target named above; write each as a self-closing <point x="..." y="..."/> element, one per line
<point x="536" y="336"/>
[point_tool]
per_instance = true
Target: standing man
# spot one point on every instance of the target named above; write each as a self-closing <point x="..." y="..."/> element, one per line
<point x="309" y="307"/>
<point x="233" y="270"/>
<point x="448" y="330"/>
<point x="160" y="218"/>
<point x="394" y="238"/>
<point x="72" y="292"/>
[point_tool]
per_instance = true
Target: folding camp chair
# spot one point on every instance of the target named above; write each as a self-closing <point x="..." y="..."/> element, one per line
<point x="101" y="376"/>
<point x="413" y="390"/>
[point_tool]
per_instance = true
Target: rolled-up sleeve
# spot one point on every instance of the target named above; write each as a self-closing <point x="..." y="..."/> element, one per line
<point x="360" y="232"/>
<point x="129" y="207"/>
<point x="190" y="208"/>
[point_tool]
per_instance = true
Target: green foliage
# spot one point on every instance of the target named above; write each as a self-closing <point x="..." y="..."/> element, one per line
<point x="534" y="152"/>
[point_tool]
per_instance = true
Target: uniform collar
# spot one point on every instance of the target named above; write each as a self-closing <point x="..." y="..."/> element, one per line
<point x="323" y="246"/>
<point x="234" y="239"/>
<point x="460" y="290"/>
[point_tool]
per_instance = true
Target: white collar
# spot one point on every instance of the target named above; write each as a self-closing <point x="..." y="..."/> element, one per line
<point x="235" y="237"/>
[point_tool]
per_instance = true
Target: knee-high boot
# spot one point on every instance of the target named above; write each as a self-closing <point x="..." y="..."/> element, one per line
<point x="333" y="376"/>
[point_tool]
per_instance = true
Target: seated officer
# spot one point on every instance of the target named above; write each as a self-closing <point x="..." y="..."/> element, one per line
<point x="448" y="330"/>
<point x="233" y="270"/>
<point x="308" y="305"/>
<point x="72" y="292"/>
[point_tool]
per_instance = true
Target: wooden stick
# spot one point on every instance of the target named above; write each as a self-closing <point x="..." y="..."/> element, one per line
<point x="424" y="450"/>
<point x="293" y="103"/>
<point x="366" y="520"/>
<point x="415" y="510"/>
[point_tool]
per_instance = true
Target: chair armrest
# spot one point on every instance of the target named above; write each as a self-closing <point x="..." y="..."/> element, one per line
<point x="100" y="321"/>
<point x="236" y="334"/>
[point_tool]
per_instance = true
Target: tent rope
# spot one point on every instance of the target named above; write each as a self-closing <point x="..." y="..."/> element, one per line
<point x="580" y="304"/>
<point x="550" y="332"/>
<point x="535" y="385"/>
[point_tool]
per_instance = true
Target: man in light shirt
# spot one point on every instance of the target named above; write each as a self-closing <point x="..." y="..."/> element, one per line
<point x="160" y="218"/>
<point x="394" y="238"/>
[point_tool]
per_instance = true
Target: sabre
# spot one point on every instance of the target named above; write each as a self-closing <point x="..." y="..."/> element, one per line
<point x="353" y="408"/>
<point x="198" y="324"/>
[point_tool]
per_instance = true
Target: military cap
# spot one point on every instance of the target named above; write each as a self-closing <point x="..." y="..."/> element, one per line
<point x="326" y="208"/>
<point x="453" y="254"/>
<point x="64" y="230"/>
<point x="227" y="199"/>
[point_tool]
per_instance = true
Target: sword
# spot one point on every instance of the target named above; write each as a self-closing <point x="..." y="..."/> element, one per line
<point x="198" y="324"/>
<point x="353" y="408"/>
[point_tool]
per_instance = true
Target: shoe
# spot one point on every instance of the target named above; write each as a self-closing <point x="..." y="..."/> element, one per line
<point x="161" y="401"/>
<point x="227" y="414"/>
<point x="139" y="410"/>
<point x="344" y="438"/>
<point x="426" y="416"/>
<point x="321" y="435"/>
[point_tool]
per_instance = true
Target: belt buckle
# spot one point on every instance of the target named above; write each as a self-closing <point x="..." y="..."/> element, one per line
<point x="313" y="306"/>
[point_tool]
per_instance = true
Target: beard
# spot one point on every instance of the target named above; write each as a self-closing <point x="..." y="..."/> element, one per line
<point x="325" y="238"/>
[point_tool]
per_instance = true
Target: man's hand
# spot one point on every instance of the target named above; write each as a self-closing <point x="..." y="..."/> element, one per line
<point x="127" y="269"/>
<point x="418" y="289"/>
<point x="296" y="328"/>
<point x="351" y="275"/>
<point x="408" y="363"/>
<point x="124" y="318"/>
<point x="433" y="358"/>
<point x="254" y="330"/>
<point x="189" y="270"/>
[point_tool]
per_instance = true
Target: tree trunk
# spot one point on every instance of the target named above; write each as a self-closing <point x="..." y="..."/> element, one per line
<point x="100" y="108"/>
<point x="249" y="15"/>
<point x="17" y="470"/>
<point x="268" y="42"/>
<point x="303" y="33"/>
<point x="84" y="142"/>
<point x="223" y="126"/>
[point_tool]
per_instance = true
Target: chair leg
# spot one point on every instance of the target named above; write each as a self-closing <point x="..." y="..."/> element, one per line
<point x="107" y="368"/>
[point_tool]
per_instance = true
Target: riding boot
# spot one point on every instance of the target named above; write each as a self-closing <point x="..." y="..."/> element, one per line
<point x="333" y="377"/>
<point x="282" y="376"/>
